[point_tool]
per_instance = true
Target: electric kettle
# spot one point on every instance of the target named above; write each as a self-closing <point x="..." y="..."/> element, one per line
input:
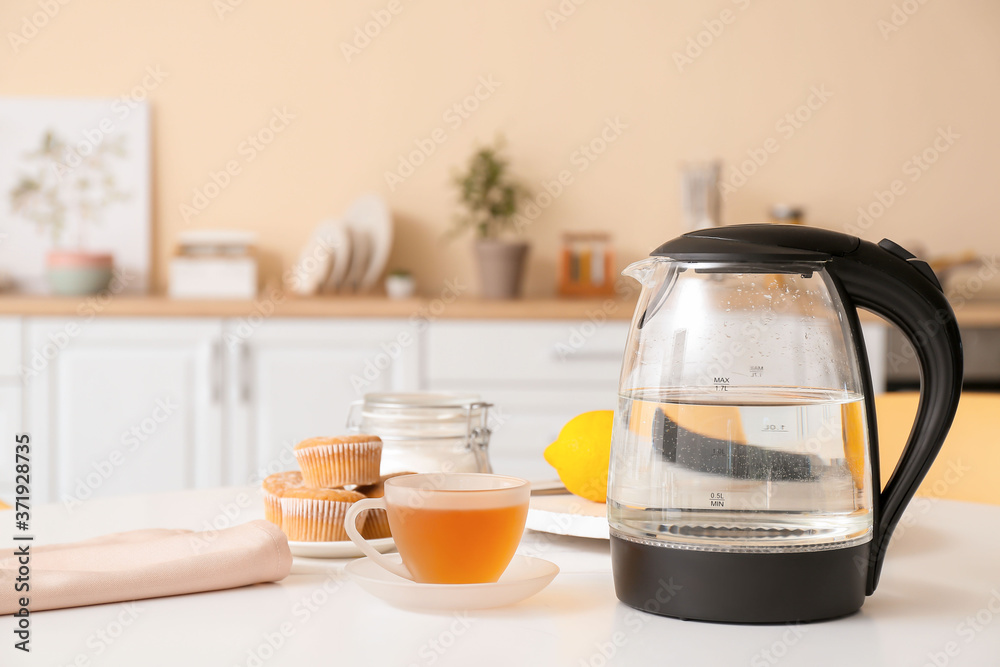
<point x="744" y="483"/>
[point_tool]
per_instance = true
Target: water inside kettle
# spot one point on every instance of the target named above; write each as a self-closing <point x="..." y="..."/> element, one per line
<point x="755" y="467"/>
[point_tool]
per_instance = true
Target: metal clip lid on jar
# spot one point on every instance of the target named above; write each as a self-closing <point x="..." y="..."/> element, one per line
<point x="426" y="431"/>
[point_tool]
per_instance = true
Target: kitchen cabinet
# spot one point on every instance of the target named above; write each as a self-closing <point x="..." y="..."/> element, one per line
<point x="584" y="354"/>
<point x="10" y="348"/>
<point x="119" y="406"/>
<point x="10" y="399"/>
<point x="290" y="379"/>
<point x="538" y="375"/>
<point x="137" y="404"/>
<point x="10" y="424"/>
<point x="876" y="335"/>
<point x="525" y="421"/>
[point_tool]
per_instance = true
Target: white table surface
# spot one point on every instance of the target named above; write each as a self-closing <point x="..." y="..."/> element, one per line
<point x="943" y="572"/>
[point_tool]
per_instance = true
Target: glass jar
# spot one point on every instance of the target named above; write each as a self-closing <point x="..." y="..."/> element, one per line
<point x="425" y="431"/>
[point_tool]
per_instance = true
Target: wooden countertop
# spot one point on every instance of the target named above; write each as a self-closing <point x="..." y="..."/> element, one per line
<point x="970" y="314"/>
<point x="280" y="305"/>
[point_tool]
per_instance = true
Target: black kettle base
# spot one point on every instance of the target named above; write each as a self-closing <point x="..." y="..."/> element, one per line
<point x="740" y="587"/>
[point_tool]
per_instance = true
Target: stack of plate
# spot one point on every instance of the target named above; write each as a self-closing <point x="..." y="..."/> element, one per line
<point x="345" y="255"/>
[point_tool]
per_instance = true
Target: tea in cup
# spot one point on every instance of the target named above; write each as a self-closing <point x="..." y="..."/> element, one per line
<point x="449" y="528"/>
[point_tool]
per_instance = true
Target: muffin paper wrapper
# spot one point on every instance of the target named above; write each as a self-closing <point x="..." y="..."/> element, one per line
<point x="340" y="464"/>
<point x="376" y="525"/>
<point x="272" y="508"/>
<point x="314" y="520"/>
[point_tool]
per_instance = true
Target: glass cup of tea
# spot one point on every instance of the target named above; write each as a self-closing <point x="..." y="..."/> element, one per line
<point x="449" y="528"/>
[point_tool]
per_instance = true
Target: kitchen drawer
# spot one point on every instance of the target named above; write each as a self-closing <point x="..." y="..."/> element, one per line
<point x="527" y="351"/>
<point x="10" y="346"/>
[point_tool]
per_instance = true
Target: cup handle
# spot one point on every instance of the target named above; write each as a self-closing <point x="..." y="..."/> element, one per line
<point x="350" y="525"/>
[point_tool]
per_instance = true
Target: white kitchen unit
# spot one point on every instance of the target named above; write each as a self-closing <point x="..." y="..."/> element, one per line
<point x="10" y="348"/>
<point x="525" y="421"/>
<point x="10" y="399"/>
<point x="123" y="405"/>
<point x="120" y="405"/>
<point x="876" y="335"/>
<point x="146" y="404"/>
<point x="538" y="374"/>
<point x="10" y="424"/>
<point x="290" y="379"/>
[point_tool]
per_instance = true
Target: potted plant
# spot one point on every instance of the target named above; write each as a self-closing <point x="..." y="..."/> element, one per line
<point x="491" y="197"/>
<point x="64" y="196"/>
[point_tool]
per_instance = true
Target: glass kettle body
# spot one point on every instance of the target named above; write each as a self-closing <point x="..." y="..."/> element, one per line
<point x="744" y="467"/>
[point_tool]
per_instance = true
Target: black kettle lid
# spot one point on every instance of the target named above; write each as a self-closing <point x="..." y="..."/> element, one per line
<point x="758" y="242"/>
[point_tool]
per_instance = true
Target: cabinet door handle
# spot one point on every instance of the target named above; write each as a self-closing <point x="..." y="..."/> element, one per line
<point x="215" y="366"/>
<point x="581" y="354"/>
<point x="246" y="389"/>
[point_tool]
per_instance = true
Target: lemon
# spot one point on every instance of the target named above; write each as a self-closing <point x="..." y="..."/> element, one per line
<point x="712" y="421"/>
<point x="855" y="442"/>
<point x="582" y="453"/>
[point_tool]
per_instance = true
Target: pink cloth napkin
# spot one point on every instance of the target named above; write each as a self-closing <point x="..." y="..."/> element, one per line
<point x="147" y="564"/>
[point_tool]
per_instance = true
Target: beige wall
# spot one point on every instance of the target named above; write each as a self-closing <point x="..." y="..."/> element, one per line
<point x="889" y="96"/>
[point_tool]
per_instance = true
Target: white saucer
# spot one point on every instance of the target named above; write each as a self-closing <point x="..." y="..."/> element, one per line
<point x="568" y="515"/>
<point x="339" y="549"/>
<point x="524" y="577"/>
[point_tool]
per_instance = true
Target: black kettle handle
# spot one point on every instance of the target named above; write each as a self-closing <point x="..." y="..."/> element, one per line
<point x="891" y="282"/>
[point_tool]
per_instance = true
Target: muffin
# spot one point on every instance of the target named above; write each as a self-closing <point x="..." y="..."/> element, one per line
<point x="274" y="486"/>
<point x="377" y="523"/>
<point x="317" y="515"/>
<point x="340" y="461"/>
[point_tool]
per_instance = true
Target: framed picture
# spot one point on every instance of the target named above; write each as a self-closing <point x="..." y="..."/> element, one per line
<point x="74" y="176"/>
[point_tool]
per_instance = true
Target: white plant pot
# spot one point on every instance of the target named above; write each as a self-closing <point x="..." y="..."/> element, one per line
<point x="400" y="287"/>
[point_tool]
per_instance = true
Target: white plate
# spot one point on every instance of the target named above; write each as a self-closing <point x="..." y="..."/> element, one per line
<point x="339" y="241"/>
<point x="370" y="214"/>
<point x="568" y="515"/>
<point x="339" y="549"/>
<point x="360" y="254"/>
<point x="310" y="272"/>
<point x="524" y="577"/>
